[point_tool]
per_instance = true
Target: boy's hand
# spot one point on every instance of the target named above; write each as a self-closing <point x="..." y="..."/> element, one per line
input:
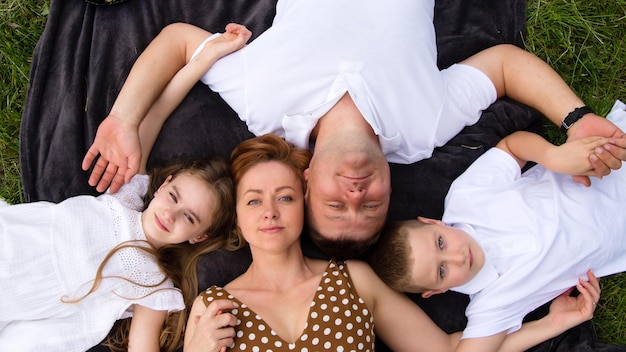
<point x="116" y="152"/>
<point x="573" y="157"/>
<point x="604" y="162"/>
<point x="567" y="312"/>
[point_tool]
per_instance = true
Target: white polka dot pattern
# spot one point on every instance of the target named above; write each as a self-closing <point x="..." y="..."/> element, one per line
<point x="338" y="319"/>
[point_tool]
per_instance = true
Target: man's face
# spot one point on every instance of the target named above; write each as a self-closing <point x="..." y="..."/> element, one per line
<point x="348" y="197"/>
<point x="442" y="257"/>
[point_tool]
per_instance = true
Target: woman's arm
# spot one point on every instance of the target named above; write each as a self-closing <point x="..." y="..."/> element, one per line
<point x="404" y="326"/>
<point x="145" y="329"/>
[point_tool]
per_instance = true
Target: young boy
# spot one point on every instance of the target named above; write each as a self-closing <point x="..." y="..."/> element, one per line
<point x="514" y="241"/>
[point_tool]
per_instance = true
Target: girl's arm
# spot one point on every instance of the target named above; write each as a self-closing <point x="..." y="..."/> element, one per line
<point x="154" y="87"/>
<point x="145" y="329"/>
<point x="571" y="158"/>
<point x="210" y="328"/>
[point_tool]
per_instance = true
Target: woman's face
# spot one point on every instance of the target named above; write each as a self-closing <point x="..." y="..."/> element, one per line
<point x="270" y="206"/>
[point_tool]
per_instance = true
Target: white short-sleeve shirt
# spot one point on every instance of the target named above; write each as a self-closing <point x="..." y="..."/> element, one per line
<point x="383" y="54"/>
<point x="540" y="231"/>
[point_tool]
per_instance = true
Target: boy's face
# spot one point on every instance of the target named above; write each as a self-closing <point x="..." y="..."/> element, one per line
<point x="443" y="257"/>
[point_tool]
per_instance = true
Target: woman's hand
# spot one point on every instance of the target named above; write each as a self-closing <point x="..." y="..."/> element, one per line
<point x="567" y="311"/>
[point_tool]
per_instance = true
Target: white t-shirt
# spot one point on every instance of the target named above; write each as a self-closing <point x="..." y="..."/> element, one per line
<point x="540" y="231"/>
<point x="383" y="54"/>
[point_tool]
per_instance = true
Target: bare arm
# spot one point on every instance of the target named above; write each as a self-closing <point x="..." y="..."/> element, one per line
<point x="526" y="78"/>
<point x="158" y="82"/>
<point x="210" y="328"/>
<point x="145" y="329"/>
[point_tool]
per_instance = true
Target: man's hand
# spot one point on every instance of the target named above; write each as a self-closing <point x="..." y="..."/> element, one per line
<point x="116" y="152"/>
<point x="604" y="159"/>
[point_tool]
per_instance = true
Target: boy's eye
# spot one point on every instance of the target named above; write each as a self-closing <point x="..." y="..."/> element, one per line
<point x="440" y="243"/>
<point x="442" y="271"/>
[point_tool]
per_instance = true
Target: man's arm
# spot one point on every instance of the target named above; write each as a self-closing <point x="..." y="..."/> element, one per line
<point x="526" y="78"/>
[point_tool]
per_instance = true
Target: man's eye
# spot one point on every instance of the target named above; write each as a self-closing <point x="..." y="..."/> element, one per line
<point x="371" y="206"/>
<point x="335" y="206"/>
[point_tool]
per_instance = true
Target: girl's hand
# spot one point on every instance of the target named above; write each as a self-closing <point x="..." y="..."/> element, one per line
<point x="567" y="312"/>
<point x="233" y="39"/>
<point x="213" y="330"/>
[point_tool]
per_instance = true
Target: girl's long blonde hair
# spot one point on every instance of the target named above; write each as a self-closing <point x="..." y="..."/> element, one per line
<point x="178" y="261"/>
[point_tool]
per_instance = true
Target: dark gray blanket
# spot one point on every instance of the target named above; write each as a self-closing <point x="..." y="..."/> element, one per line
<point x="86" y="52"/>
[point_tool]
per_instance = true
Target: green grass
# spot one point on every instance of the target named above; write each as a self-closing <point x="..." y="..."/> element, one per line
<point x="585" y="41"/>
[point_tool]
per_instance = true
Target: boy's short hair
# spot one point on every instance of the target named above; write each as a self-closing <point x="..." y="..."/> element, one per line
<point x="391" y="256"/>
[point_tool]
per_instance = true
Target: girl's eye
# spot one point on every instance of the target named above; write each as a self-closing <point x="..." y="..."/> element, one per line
<point x="440" y="243"/>
<point x="173" y="196"/>
<point x="189" y="218"/>
<point x="442" y="271"/>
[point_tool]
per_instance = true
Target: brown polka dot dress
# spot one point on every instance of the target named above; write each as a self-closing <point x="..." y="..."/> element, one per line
<point x="338" y="319"/>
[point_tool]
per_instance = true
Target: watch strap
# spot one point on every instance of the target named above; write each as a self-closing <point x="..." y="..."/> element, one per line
<point x="574" y="116"/>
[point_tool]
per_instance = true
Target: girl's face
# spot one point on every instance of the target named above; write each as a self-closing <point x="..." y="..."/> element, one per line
<point x="181" y="210"/>
<point x="270" y="206"/>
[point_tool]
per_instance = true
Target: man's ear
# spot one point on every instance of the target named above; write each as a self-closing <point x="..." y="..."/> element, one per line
<point x="429" y="293"/>
<point x="429" y="220"/>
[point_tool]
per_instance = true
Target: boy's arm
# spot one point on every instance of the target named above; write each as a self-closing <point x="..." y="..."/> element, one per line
<point x="123" y="141"/>
<point x="571" y="158"/>
<point x="145" y="329"/>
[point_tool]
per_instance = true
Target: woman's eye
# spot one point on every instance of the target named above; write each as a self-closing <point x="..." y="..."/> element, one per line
<point x="442" y="271"/>
<point x="286" y="198"/>
<point x="440" y="243"/>
<point x="253" y="202"/>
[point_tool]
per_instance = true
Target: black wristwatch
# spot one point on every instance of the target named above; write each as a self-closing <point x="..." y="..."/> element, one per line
<point x="574" y="116"/>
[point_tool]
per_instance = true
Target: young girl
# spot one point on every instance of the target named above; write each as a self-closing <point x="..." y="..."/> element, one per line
<point x="286" y="301"/>
<point x="70" y="270"/>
